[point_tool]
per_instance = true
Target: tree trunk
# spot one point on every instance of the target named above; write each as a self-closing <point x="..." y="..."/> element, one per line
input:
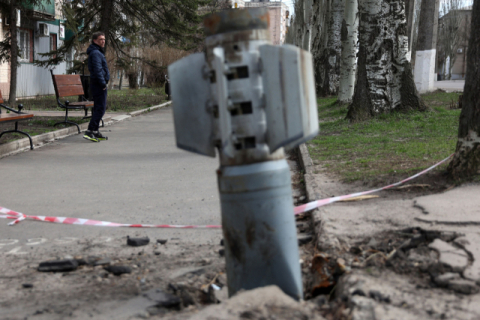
<point x="466" y="161"/>
<point x="385" y="81"/>
<point x="349" y="37"/>
<point x="410" y="16"/>
<point x="142" y="76"/>
<point x="12" y="98"/>
<point x="307" y="17"/>
<point x="320" y="10"/>
<point x="132" y="79"/>
<point x="299" y="24"/>
<point x="105" y="19"/>
<point x="329" y="74"/>
<point x="120" y="83"/>
<point x="426" y="46"/>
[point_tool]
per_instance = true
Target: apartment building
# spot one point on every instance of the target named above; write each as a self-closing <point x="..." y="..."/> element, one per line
<point x="459" y="68"/>
<point x="278" y="12"/>
<point x="40" y="30"/>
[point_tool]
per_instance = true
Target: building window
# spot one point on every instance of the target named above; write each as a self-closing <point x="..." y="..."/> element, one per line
<point x="25" y="43"/>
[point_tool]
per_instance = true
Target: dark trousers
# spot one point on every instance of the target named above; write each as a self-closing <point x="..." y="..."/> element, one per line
<point x="99" y="106"/>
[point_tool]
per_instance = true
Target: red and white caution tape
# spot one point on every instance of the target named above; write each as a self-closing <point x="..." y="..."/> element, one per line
<point x="18" y="217"/>
<point x="319" y="203"/>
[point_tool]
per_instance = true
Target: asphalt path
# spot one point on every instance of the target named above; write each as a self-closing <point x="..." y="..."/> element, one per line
<point x="137" y="176"/>
<point x="450" y="85"/>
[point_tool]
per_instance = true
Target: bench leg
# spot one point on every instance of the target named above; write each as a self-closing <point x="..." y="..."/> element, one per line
<point x="68" y="122"/>
<point x="18" y="131"/>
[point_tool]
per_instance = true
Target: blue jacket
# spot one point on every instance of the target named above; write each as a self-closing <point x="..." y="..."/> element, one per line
<point x="97" y="65"/>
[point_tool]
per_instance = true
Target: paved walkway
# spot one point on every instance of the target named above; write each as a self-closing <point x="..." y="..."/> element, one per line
<point x="137" y="176"/>
<point x="450" y="85"/>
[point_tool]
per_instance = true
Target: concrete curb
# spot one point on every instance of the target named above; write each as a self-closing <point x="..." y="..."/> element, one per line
<point x="42" y="139"/>
<point x="326" y="241"/>
<point x="136" y="113"/>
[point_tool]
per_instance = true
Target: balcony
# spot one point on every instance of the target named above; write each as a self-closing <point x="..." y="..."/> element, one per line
<point x="43" y="12"/>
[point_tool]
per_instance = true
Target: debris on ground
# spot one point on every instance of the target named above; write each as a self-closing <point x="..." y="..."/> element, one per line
<point x="137" y="242"/>
<point x="323" y="270"/>
<point x="263" y="303"/>
<point x="304" y="238"/>
<point x="58" y="266"/>
<point x="118" y="270"/>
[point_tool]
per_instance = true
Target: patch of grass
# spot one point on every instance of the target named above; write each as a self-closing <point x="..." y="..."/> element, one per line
<point x="394" y="144"/>
<point x="126" y="100"/>
<point x="440" y="98"/>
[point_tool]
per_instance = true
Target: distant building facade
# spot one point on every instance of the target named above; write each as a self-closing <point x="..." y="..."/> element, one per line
<point x="278" y="12"/>
<point x="41" y="29"/>
<point x="459" y="67"/>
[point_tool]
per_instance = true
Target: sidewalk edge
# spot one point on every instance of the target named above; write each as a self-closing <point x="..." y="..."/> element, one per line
<point x="138" y="112"/>
<point x="40" y="140"/>
<point x="325" y="240"/>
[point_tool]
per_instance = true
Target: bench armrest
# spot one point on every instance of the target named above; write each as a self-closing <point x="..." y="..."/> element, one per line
<point x="61" y="105"/>
<point x="19" y="111"/>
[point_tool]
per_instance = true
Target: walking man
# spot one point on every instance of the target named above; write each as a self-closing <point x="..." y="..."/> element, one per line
<point x="99" y="77"/>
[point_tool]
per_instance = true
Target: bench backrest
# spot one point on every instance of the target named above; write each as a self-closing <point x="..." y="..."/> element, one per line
<point x="67" y="85"/>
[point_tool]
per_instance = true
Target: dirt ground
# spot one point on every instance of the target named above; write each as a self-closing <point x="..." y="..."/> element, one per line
<point x="391" y="268"/>
<point x="379" y="270"/>
<point x="188" y="276"/>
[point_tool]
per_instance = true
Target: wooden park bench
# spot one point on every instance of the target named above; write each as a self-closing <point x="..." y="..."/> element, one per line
<point x="67" y="85"/>
<point x="14" y="116"/>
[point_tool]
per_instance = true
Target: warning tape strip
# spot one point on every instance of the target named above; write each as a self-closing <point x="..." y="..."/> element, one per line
<point x="18" y="217"/>
<point x="319" y="203"/>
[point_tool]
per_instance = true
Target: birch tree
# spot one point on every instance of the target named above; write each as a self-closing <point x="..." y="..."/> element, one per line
<point x="384" y="77"/>
<point x="298" y="25"/>
<point x="328" y="73"/>
<point x="348" y="66"/>
<point x="466" y="161"/>
<point x="307" y="18"/>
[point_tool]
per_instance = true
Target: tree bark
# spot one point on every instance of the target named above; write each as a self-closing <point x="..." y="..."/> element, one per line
<point x="349" y="37"/>
<point x="385" y="81"/>
<point x="132" y="79"/>
<point x="120" y="83"/>
<point x="12" y="98"/>
<point x="329" y="74"/>
<point x="425" y="53"/>
<point x="105" y="19"/>
<point x="299" y="23"/>
<point x="320" y="15"/>
<point x="307" y="17"/>
<point x="466" y="161"/>
<point x="409" y="14"/>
